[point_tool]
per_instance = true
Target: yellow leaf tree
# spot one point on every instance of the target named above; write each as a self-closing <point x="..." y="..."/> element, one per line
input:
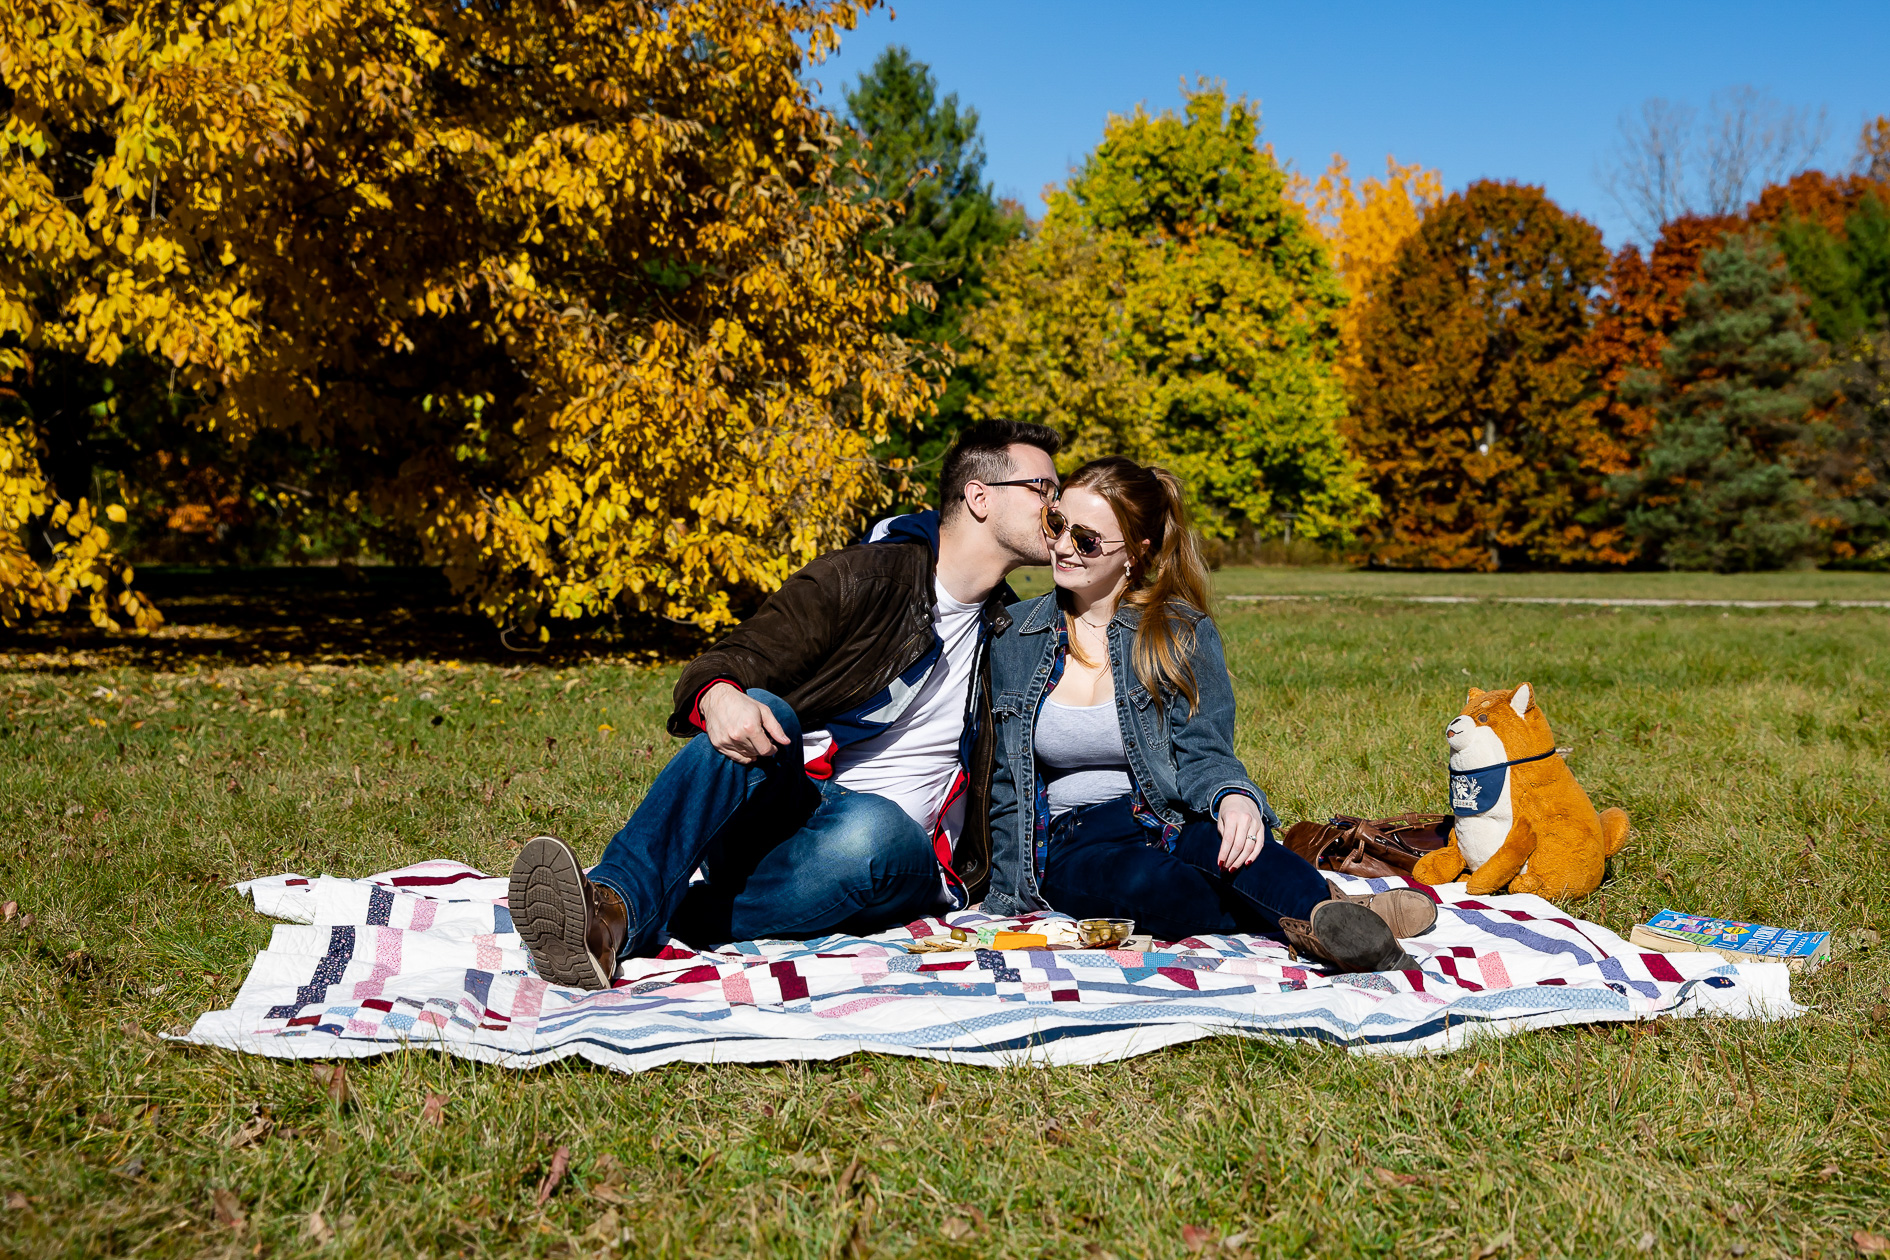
<point x="564" y="292"/>
<point x="1176" y="308"/>
<point x="1364" y="224"/>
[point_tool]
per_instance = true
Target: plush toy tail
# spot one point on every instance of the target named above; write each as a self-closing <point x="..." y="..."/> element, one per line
<point x="1614" y="826"/>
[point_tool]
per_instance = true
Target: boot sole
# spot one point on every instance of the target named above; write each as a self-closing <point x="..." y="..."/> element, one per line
<point x="546" y="896"/>
<point x="1356" y="939"/>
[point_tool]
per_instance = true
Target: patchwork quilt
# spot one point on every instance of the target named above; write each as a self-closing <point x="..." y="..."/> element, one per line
<point x="426" y="957"/>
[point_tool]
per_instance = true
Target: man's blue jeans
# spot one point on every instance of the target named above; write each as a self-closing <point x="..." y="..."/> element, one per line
<point x="1101" y="865"/>
<point x="785" y="855"/>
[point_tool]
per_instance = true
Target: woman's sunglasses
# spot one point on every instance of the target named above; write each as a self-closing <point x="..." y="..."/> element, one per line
<point x="1088" y="543"/>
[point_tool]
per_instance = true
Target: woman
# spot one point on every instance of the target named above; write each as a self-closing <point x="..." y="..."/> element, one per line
<point x="1117" y="792"/>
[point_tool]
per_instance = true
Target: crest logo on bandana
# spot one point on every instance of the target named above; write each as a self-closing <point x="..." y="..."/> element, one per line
<point x="1477" y="791"/>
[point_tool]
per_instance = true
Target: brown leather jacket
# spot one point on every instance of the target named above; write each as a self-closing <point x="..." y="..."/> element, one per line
<point x="834" y="636"/>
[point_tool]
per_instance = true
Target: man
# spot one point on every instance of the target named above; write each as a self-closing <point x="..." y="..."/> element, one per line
<point x="841" y="777"/>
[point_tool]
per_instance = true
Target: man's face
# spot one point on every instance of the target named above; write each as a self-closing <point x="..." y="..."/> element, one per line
<point x="1016" y="518"/>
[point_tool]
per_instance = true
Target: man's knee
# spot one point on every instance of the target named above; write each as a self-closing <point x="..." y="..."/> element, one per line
<point x="873" y="834"/>
<point x="700" y="753"/>
<point x="782" y="712"/>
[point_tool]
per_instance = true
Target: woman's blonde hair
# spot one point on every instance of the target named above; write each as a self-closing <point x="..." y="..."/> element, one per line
<point x="1148" y="504"/>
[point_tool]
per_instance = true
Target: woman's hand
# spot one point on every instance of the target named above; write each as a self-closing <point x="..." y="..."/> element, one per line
<point x="1242" y="831"/>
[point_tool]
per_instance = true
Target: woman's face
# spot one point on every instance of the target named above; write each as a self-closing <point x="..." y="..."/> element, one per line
<point x="1092" y="576"/>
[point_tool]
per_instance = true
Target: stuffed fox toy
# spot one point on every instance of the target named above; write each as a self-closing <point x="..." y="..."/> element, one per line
<point x="1522" y="820"/>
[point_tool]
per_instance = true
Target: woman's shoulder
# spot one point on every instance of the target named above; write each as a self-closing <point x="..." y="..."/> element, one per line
<point x="1178" y="609"/>
<point x="1031" y="615"/>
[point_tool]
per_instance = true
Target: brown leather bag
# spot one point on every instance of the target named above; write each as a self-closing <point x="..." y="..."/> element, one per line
<point x="1374" y="848"/>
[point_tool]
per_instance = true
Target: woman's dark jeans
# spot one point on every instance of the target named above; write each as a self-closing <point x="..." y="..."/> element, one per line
<point x="1102" y="866"/>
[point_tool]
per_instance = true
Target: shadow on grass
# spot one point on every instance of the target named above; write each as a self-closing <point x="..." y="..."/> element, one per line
<point x="337" y="614"/>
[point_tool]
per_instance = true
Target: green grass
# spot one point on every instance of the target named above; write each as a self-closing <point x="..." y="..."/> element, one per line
<point x="142" y="778"/>
<point x="1335" y="582"/>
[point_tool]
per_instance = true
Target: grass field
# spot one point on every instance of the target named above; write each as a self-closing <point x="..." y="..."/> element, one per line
<point x="143" y="777"/>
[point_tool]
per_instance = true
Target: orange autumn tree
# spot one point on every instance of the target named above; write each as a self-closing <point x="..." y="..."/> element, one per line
<point x="1640" y="306"/>
<point x="567" y="294"/>
<point x="1474" y="407"/>
<point x="1364" y="224"/>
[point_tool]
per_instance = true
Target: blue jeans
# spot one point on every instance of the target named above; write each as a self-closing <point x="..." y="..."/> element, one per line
<point x="1100" y="865"/>
<point x="785" y="855"/>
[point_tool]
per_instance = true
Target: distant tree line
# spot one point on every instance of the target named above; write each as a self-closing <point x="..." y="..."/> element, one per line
<point x="607" y="316"/>
<point x="1463" y="381"/>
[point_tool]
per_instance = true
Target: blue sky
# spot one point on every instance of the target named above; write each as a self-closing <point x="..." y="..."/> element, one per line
<point x="1523" y="90"/>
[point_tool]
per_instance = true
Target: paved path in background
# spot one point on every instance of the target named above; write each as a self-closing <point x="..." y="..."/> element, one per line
<point x="1611" y="603"/>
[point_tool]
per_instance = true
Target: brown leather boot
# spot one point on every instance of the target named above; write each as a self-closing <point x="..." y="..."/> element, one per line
<point x="574" y="929"/>
<point x="1406" y="911"/>
<point x="1348" y="936"/>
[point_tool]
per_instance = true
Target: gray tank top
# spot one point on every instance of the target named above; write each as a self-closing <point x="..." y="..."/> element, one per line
<point x="1080" y="754"/>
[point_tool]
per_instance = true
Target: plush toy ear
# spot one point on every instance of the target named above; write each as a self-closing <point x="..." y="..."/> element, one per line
<point x="1519" y="700"/>
<point x="1475" y="694"/>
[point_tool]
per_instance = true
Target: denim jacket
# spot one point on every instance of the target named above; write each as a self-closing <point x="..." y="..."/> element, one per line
<point x="1177" y="761"/>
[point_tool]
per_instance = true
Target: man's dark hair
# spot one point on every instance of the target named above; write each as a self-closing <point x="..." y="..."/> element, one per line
<point x="981" y="454"/>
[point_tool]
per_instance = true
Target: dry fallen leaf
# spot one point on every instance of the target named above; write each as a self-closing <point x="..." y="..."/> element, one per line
<point x="254" y="1131"/>
<point x="333" y="1080"/>
<point x="16" y="1202"/>
<point x="229" y="1209"/>
<point x="955" y="1228"/>
<point x="1827" y="1172"/>
<point x="848" y="1177"/>
<point x="8" y="911"/>
<point x="609" y="1193"/>
<point x="560" y="1160"/>
<point x="938" y="1092"/>
<point x="1395" y="1178"/>
<point x="317" y="1229"/>
<point x="604" y="1228"/>
<point x="433" y="1110"/>
<point x="1197" y="1237"/>
<point x="1870" y="1244"/>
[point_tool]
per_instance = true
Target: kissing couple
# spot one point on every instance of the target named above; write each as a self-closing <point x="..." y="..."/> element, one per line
<point x="894" y="735"/>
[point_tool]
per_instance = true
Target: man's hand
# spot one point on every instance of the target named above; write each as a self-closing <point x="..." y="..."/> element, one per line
<point x="740" y="728"/>
<point x="1242" y="832"/>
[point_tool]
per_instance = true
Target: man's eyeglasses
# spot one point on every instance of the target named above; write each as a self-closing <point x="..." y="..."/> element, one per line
<point x="1089" y="544"/>
<point x="1045" y="486"/>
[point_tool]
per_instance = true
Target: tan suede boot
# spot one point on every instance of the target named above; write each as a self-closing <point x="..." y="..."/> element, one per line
<point x="1406" y="911"/>
<point x="574" y="929"/>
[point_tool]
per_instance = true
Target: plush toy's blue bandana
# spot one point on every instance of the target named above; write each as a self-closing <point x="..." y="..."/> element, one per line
<point x="1477" y="791"/>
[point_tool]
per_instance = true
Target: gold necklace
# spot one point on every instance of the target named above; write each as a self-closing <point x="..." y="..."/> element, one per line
<point x="1092" y="625"/>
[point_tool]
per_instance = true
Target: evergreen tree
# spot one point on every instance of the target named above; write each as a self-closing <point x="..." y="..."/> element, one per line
<point x="1846" y="275"/>
<point x="923" y="154"/>
<point x="1722" y="484"/>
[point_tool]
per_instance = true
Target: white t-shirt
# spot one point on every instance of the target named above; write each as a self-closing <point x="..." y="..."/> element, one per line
<point x="913" y="762"/>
